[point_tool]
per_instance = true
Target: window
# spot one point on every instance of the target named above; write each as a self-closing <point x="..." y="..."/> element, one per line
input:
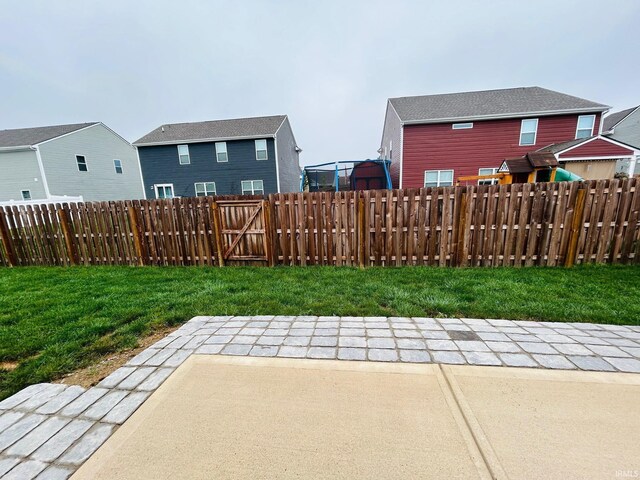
<point x="487" y="171"/>
<point x="390" y="149"/>
<point x="164" y="190"/>
<point x="221" y="152"/>
<point x="438" y="178"/>
<point x="26" y="194"/>
<point x="118" y="165"/>
<point x="261" y="150"/>
<point x="183" y="155"/>
<point x="462" y="126"/>
<point x="205" y="188"/>
<point x="528" y="130"/>
<point x="252" y="187"/>
<point x="585" y="126"/>
<point x="82" y="163"/>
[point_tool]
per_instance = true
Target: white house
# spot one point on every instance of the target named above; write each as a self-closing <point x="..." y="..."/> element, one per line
<point x="85" y="161"/>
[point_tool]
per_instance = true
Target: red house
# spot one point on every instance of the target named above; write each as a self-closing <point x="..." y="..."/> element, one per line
<point x="432" y="140"/>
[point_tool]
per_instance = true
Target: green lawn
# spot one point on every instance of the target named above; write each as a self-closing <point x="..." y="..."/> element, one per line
<point x="55" y="320"/>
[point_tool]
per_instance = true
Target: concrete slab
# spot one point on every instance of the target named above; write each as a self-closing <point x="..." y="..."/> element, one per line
<point x="231" y="417"/>
<point x="552" y="424"/>
<point x="250" y="417"/>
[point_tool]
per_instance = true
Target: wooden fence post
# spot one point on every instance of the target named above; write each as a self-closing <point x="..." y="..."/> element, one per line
<point x="6" y="240"/>
<point x="135" y="229"/>
<point x="576" y="227"/>
<point x="461" y="258"/>
<point x="217" y="232"/>
<point x="361" y="230"/>
<point x="66" y="230"/>
<point x="268" y="234"/>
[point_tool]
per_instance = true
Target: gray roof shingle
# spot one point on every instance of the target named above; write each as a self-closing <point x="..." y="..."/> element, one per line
<point x="212" y="130"/>
<point x="558" y="147"/>
<point x="519" y="101"/>
<point x="20" y="137"/>
<point x="612" y="120"/>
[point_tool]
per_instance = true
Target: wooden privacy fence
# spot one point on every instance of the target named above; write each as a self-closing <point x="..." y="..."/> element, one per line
<point x="515" y="225"/>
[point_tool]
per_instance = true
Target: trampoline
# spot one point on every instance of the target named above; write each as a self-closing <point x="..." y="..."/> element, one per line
<point x="346" y="175"/>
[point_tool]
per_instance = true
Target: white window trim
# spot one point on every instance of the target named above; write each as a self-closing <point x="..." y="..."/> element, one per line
<point x="462" y="126"/>
<point x="593" y="125"/>
<point x="253" y="188"/>
<point x="85" y="163"/>
<point x="206" y="193"/>
<point x="226" y="152"/>
<point x="266" y="149"/>
<point x="164" y="185"/>
<point x="493" y="181"/>
<point x="424" y="184"/>
<point x="535" y="133"/>
<point x="115" y="167"/>
<point x="188" y="154"/>
<point x="22" y="194"/>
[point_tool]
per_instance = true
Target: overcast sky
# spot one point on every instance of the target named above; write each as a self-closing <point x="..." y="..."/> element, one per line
<point x="329" y="65"/>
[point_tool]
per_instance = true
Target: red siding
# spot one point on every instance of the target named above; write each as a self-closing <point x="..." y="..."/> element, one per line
<point x="487" y="144"/>
<point x="597" y="148"/>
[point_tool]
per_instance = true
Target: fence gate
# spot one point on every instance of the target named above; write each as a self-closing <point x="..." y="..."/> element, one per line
<point x="242" y="231"/>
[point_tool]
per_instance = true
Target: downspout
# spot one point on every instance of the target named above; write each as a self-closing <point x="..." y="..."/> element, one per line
<point x="45" y="184"/>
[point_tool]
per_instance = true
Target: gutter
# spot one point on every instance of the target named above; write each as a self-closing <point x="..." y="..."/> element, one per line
<point x="505" y="115"/>
<point x="202" y="140"/>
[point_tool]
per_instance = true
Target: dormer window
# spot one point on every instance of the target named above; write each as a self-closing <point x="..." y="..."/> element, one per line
<point x="585" y="126"/>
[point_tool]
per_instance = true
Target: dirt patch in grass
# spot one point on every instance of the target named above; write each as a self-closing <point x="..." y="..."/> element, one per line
<point x="91" y="375"/>
<point x="8" y="366"/>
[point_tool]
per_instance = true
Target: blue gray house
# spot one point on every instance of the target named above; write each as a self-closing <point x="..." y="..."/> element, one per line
<point x="220" y="157"/>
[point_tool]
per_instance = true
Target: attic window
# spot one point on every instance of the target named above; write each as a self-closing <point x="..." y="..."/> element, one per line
<point x="585" y="126"/>
<point x="117" y="164"/>
<point x="462" y="126"/>
<point x="26" y="194"/>
<point x="183" y="155"/>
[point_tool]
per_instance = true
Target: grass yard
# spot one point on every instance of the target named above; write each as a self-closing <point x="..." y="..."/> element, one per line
<point x="56" y="320"/>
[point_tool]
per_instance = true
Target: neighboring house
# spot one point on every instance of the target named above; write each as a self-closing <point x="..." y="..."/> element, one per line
<point x="593" y="157"/>
<point x="241" y="156"/>
<point x="624" y="127"/>
<point x="434" y="139"/>
<point x="87" y="160"/>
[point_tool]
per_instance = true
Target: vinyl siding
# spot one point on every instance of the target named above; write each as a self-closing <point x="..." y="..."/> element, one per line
<point x="288" y="159"/>
<point x="100" y="147"/>
<point x="596" y="148"/>
<point x="486" y="145"/>
<point x="392" y="133"/>
<point x="20" y="171"/>
<point x="628" y="131"/>
<point x="160" y="165"/>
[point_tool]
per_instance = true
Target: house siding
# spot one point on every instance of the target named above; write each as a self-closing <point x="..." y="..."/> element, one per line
<point x="628" y="131"/>
<point x="392" y="134"/>
<point x="20" y="171"/>
<point x="486" y="145"/>
<point x="288" y="159"/>
<point x="160" y="164"/>
<point x="596" y="148"/>
<point x="100" y="146"/>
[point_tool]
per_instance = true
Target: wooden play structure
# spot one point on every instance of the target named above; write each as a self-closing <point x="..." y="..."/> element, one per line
<point x="535" y="167"/>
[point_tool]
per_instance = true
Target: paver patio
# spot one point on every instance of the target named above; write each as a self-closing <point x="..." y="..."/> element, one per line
<point x="48" y="430"/>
